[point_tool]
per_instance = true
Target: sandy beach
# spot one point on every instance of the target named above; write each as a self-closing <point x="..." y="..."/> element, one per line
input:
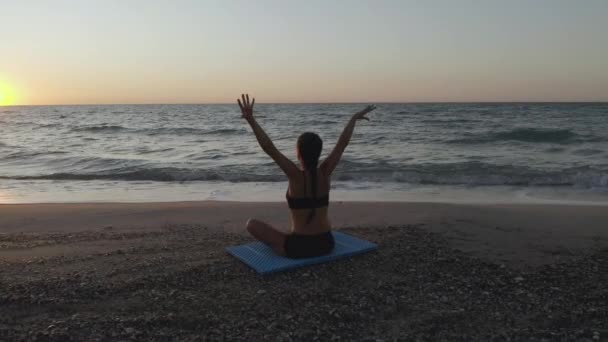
<point x="158" y="271"/>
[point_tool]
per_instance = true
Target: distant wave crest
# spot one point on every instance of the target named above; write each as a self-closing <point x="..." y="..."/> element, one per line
<point x="448" y="121"/>
<point x="108" y="129"/>
<point x="158" y="174"/>
<point x="189" y="131"/>
<point x="533" y="135"/>
<point x="473" y="173"/>
<point x="100" y="129"/>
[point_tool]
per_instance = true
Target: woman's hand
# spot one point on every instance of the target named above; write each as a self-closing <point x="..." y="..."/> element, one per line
<point x="246" y="106"/>
<point x="361" y="115"/>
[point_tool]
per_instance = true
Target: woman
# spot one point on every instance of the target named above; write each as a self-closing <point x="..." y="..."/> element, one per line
<point x="308" y="192"/>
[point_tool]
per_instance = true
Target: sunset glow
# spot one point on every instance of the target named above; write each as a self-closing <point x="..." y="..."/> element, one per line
<point x="7" y="95"/>
<point x="116" y="52"/>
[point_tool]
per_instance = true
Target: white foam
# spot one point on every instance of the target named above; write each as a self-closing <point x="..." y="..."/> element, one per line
<point x="44" y="191"/>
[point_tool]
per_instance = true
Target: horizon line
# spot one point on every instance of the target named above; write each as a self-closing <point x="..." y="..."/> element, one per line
<point x="298" y="103"/>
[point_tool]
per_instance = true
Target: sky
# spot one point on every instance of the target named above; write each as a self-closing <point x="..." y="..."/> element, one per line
<point x="130" y="51"/>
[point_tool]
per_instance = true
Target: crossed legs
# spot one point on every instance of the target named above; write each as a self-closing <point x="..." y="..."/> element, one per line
<point x="268" y="235"/>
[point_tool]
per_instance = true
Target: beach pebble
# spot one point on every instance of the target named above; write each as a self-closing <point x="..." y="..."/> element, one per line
<point x="208" y="299"/>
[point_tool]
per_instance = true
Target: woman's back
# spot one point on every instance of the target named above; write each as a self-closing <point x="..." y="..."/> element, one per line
<point x="300" y="197"/>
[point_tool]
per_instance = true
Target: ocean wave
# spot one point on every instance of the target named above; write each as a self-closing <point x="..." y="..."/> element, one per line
<point x="471" y="173"/>
<point x="22" y="123"/>
<point x="448" y="121"/>
<point x="323" y="122"/>
<point x="533" y="135"/>
<point x="168" y="174"/>
<point x="190" y="131"/>
<point x="20" y="154"/>
<point x="158" y="131"/>
<point x="147" y="150"/>
<point x="587" y="151"/>
<point x="476" y="173"/>
<point x="49" y="125"/>
<point x="100" y="129"/>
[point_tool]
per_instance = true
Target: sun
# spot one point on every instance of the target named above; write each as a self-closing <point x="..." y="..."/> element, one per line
<point x="7" y="95"/>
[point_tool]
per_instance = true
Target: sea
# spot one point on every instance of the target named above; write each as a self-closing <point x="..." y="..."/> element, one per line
<point x="437" y="152"/>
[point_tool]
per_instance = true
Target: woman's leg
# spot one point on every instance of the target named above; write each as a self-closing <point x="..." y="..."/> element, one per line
<point x="268" y="235"/>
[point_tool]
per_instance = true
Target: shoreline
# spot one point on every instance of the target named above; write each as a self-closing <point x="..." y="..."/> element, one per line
<point x="98" y="191"/>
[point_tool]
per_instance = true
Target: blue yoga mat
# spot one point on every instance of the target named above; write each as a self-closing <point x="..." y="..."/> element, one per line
<point x="263" y="259"/>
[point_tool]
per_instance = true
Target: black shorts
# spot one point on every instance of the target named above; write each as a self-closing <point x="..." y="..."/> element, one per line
<point x="308" y="246"/>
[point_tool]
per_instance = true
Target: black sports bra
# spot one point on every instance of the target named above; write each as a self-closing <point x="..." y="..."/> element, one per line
<point x="305" y="202"/>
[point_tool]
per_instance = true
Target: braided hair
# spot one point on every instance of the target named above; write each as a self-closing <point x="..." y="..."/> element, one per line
<point x="310" y="146"/>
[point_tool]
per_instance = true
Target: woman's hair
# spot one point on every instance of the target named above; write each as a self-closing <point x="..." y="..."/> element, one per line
<point x="309" y="147"/>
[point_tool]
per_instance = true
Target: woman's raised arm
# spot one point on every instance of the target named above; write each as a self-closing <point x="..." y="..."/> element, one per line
<point x="266" y="144"/>
<point x="330" y="163"/>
